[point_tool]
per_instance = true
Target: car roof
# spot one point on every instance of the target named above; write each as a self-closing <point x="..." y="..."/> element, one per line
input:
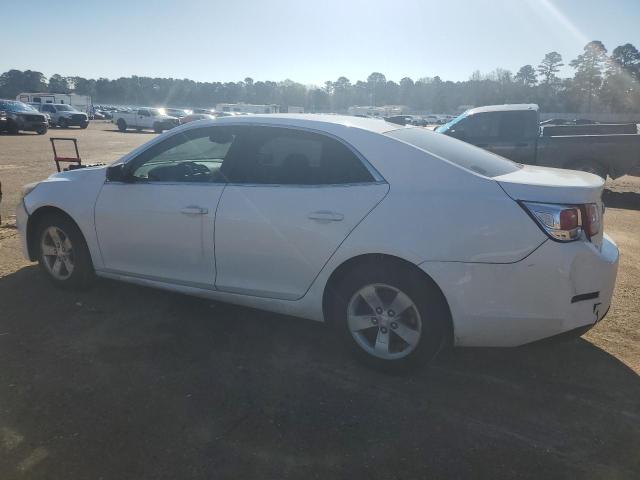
<point x="310" y="120"/>
<point x="503" y="108"/>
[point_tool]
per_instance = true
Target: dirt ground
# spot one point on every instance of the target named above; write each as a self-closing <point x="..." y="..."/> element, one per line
<point x="124" y="382"/>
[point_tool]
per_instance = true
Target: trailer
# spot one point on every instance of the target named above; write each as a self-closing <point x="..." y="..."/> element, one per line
<point x="81" y="103"/>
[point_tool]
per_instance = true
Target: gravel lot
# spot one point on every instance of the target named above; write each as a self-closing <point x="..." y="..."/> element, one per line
<point x="124" y="382"/>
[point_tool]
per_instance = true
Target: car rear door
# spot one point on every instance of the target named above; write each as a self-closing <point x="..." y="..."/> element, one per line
<point x="293" y="196"/>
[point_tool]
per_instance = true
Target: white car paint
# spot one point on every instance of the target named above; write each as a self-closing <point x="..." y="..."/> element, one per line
<point x="505" y="281"/>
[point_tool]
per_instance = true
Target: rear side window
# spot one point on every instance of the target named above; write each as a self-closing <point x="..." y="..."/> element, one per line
<point x="455" y="151"/>
<point x="282" y="156"/>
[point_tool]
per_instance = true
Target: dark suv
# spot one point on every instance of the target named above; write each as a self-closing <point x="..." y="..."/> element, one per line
<point x="20" y="116"/>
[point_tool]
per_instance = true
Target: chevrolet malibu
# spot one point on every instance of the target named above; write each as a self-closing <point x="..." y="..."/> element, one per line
<point x="402" y="239"/>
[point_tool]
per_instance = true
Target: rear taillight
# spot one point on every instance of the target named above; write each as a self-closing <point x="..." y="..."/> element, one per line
<point x="590" y="219"/>
<point x="564" y="223"/>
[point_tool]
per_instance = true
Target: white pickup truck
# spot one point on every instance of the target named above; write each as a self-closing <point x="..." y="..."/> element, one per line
<point x="144" y="118"/>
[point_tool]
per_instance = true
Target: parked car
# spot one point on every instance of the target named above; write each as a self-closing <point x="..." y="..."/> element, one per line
<point x="175" y="112"/>
<point x="408" y="241"/>
<point x="64" y="116"/>
<point x="197" y="116"/>
<point x="513" y="131"/>
<point x="144" y="118"/>
<point x="20" y="116"/>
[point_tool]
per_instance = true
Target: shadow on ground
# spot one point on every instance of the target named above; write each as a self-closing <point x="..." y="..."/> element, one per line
<point x="127" y="382"/>
<point x="626" y="200"/>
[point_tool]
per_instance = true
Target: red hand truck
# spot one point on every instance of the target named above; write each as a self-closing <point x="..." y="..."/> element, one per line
<point x="77" y="160"/>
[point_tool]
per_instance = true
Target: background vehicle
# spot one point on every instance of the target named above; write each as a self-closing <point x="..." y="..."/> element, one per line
<point x="513" y="131"/>
<point x="144" y="118"/>
<point x="196" y="116"/>
<point x="175" y="112"/>
<point x="490" y="253"/>
<point x="81" y="103"/>
<point x="20" y="116"/>
<point x="64" y="116"/>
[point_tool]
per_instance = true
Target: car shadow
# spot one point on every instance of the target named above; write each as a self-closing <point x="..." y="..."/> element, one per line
<point x="128" y="382"/>
<point x="625" y="200"/>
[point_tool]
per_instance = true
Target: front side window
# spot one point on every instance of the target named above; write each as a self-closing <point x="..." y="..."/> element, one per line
<point x="282" y="156"/>
<point x="191" y="156"/>
<point x="481" y="125"/>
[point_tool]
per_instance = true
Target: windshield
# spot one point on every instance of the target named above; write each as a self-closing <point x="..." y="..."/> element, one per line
<point x="462" y="154"/>
<point x="451" y="123"/>
<point x="11" y="106"/>
<point x="65" y="108"/>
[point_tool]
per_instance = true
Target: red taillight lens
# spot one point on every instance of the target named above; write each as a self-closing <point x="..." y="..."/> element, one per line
<point x="569" y="219"/>
<point x="590" y="219"/>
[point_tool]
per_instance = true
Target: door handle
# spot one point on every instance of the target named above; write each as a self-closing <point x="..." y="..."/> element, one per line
<point x="325" y="216"/>
<point x="194" y="210"/>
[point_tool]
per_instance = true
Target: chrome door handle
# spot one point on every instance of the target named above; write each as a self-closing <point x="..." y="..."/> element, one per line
<point x="194" y="210"/>
<point x="325" y="216"/>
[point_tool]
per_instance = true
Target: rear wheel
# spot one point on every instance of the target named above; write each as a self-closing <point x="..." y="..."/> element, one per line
<point x="62" y="123"/>
<point x="122" y="125"/>
<point x="589" y="166"/>
<point x="390" y="316"/>
<point x="157" y="128"/>
<point x="63" y="253"/>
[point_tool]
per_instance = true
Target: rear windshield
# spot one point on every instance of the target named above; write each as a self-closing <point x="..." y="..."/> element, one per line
<point x="458" y="152"/>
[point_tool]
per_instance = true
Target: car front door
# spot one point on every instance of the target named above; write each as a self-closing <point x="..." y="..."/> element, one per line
<point x="158" y="223"/>
<point x="143" y="118"/>
<point x="293" y="197"/>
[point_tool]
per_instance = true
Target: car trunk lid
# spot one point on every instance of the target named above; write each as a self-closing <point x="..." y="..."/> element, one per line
<point x="552" y="185"/>
<point x="555" y="186"/>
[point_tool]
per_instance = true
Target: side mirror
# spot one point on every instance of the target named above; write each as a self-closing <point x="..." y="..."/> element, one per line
<point x="116" y="173"/>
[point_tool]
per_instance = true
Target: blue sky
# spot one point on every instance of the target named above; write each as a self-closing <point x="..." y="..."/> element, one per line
<point x="307" y="41"/>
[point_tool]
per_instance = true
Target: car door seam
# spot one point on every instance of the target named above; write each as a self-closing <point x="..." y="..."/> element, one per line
<point x="342" y="242"/>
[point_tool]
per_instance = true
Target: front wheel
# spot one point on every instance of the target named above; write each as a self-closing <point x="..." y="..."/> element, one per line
<point x="157" y="128"/>
<point x="84" y="125"/>
<point x="62" y="123"/>
<point x="122" y="125"/>
<point x="391" y="316"/>
<point x="41" y="130"/>
<point x="63" y="253"/>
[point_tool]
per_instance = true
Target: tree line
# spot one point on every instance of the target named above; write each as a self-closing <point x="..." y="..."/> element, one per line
<point x="601" y="82"/>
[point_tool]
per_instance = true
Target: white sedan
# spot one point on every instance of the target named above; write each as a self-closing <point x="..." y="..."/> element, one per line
<point x="403" y="239"/>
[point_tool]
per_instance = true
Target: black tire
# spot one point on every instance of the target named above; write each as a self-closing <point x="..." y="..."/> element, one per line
<point x="427" y="299"/>
<point x="157" y="128"/>
<point x="82" y="274"/>
<point x="122" y="125"/>
<point x="84" y="125"/>
<point x="62" y="123"/>
<point x="589" y="166"/>
<point x="42" y="130"/>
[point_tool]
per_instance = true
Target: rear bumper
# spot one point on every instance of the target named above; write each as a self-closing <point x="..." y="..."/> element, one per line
<point x="558" y="288"/>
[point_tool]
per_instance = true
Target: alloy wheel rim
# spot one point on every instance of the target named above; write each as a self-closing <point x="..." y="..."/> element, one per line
<point x="384" y="321"/>
<point x="57" y="253"/>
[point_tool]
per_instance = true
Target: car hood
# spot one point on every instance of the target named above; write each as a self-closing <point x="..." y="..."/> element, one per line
<point x="552" y="185"/>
